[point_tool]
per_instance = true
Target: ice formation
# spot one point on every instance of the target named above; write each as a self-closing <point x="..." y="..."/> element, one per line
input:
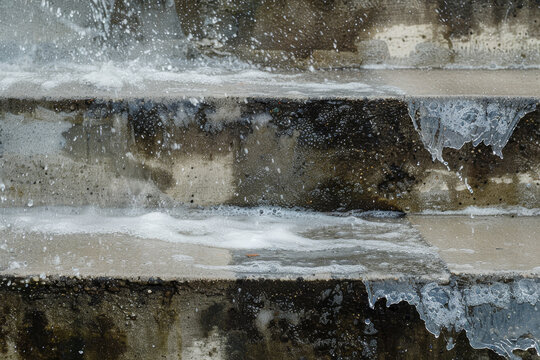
<point x="450" y="123"/>
<point x="501" y="316"/>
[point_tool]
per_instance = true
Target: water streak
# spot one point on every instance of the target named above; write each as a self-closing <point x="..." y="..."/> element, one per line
<point x="452" y="122"/>
<point x="500" y="316"/>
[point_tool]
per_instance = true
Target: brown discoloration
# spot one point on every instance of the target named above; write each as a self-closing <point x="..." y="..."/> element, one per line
<point x="3" y="329"/>
<point x="320" y="154"/>
<point x="39" y="339"/>
<point x="89" y="319"/>
<point x="287" y="32"/>
<point x="324" y="320"/>
<point x="304" y="26"/>
<point x="254" y="319"/>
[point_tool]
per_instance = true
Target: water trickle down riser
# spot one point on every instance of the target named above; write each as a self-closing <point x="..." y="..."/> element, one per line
<point x="450" y="123"/>
<point x="501" y="316"/>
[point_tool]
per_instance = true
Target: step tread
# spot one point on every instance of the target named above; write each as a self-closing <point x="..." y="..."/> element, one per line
<point x="112" y="82"/>
<point x="47" y="243"/>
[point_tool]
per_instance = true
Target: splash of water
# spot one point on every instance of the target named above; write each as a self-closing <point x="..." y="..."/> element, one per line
<point x="101" y="11"/>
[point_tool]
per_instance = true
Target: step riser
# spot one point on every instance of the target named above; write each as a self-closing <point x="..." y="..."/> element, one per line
<point x="301" y="33"/>
<point x="119" y="319"/>
<point x="321" y="154"/>
<point x="285" y="33"/>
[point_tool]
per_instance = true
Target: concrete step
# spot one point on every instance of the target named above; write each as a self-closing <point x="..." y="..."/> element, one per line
<point x="284" y="33"/>
<point x="337" y="140"/>
<point x="87" y="283"/>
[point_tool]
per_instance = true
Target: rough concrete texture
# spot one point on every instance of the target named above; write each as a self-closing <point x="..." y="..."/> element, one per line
<point x="327" y="154"/>
<point x="115" y="319"/>
<point x="286" y="33"/>
<point x="483" y="244"/>
<point x="381" y="249"/>
<point x="297" y="33"/>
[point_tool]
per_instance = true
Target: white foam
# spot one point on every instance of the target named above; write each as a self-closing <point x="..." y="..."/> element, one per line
<point x="111" y="75"/>
<point x="228" y="228"/>
<point x="107" y="76"/>
<point x="182" y="258"/>
<point x="277" y="268"/>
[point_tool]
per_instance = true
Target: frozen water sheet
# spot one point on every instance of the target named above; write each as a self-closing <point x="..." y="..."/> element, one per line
<point x="501" y="316"/>
<point x="452" y="122"/>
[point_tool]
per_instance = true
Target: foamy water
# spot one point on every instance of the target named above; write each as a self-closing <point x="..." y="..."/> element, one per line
<point x="228" y="228"/>
<point x="187" y="79"/>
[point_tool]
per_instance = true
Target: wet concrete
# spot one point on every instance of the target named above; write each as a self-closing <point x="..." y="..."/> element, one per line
<point x="89" y="296"/>
<point x="92" y="318"/>
<point x="484" y="244"/>
<point x="323" y="154"/>
<point x="291" y="33"/>
<point x="348" y="249"/>
<point x="149" y="84"/>
<point x="428" y="247"/>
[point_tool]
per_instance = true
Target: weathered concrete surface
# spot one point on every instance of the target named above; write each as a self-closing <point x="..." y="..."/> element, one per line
<point x="114" y="256"/>
<point x="104" y="318"/>
<point x="326" y="154"/>
<point x="295" y="33"/>
<point x="427" y="247"/>
<point x="286" y="33"/>
<point x="379" y="249"/>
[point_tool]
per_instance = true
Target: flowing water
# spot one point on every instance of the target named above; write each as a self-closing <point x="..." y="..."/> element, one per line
<point x="287" y="242"/>
<point x="111" y="45"/>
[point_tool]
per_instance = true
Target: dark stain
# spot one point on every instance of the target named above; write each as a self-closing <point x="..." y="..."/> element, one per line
<point x="99" y="339"/>
<point x="104" y="338"/>
<point x="340" y="195"/>
<point x="148" y="123"/>
<point x="463" y="18"/>
<point x="3" y="329"/>
<point x="36" y="340"/>
<point x="297" y="28"/>
<point x="326" y="320"/>
<point x="211" y="317"/>
<point x="322" y="319"/>
<point x="457" y="16"/>
<point x="351" y="148"/>
<point x="162" y="178"/>
<point x="397" y="179"/>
